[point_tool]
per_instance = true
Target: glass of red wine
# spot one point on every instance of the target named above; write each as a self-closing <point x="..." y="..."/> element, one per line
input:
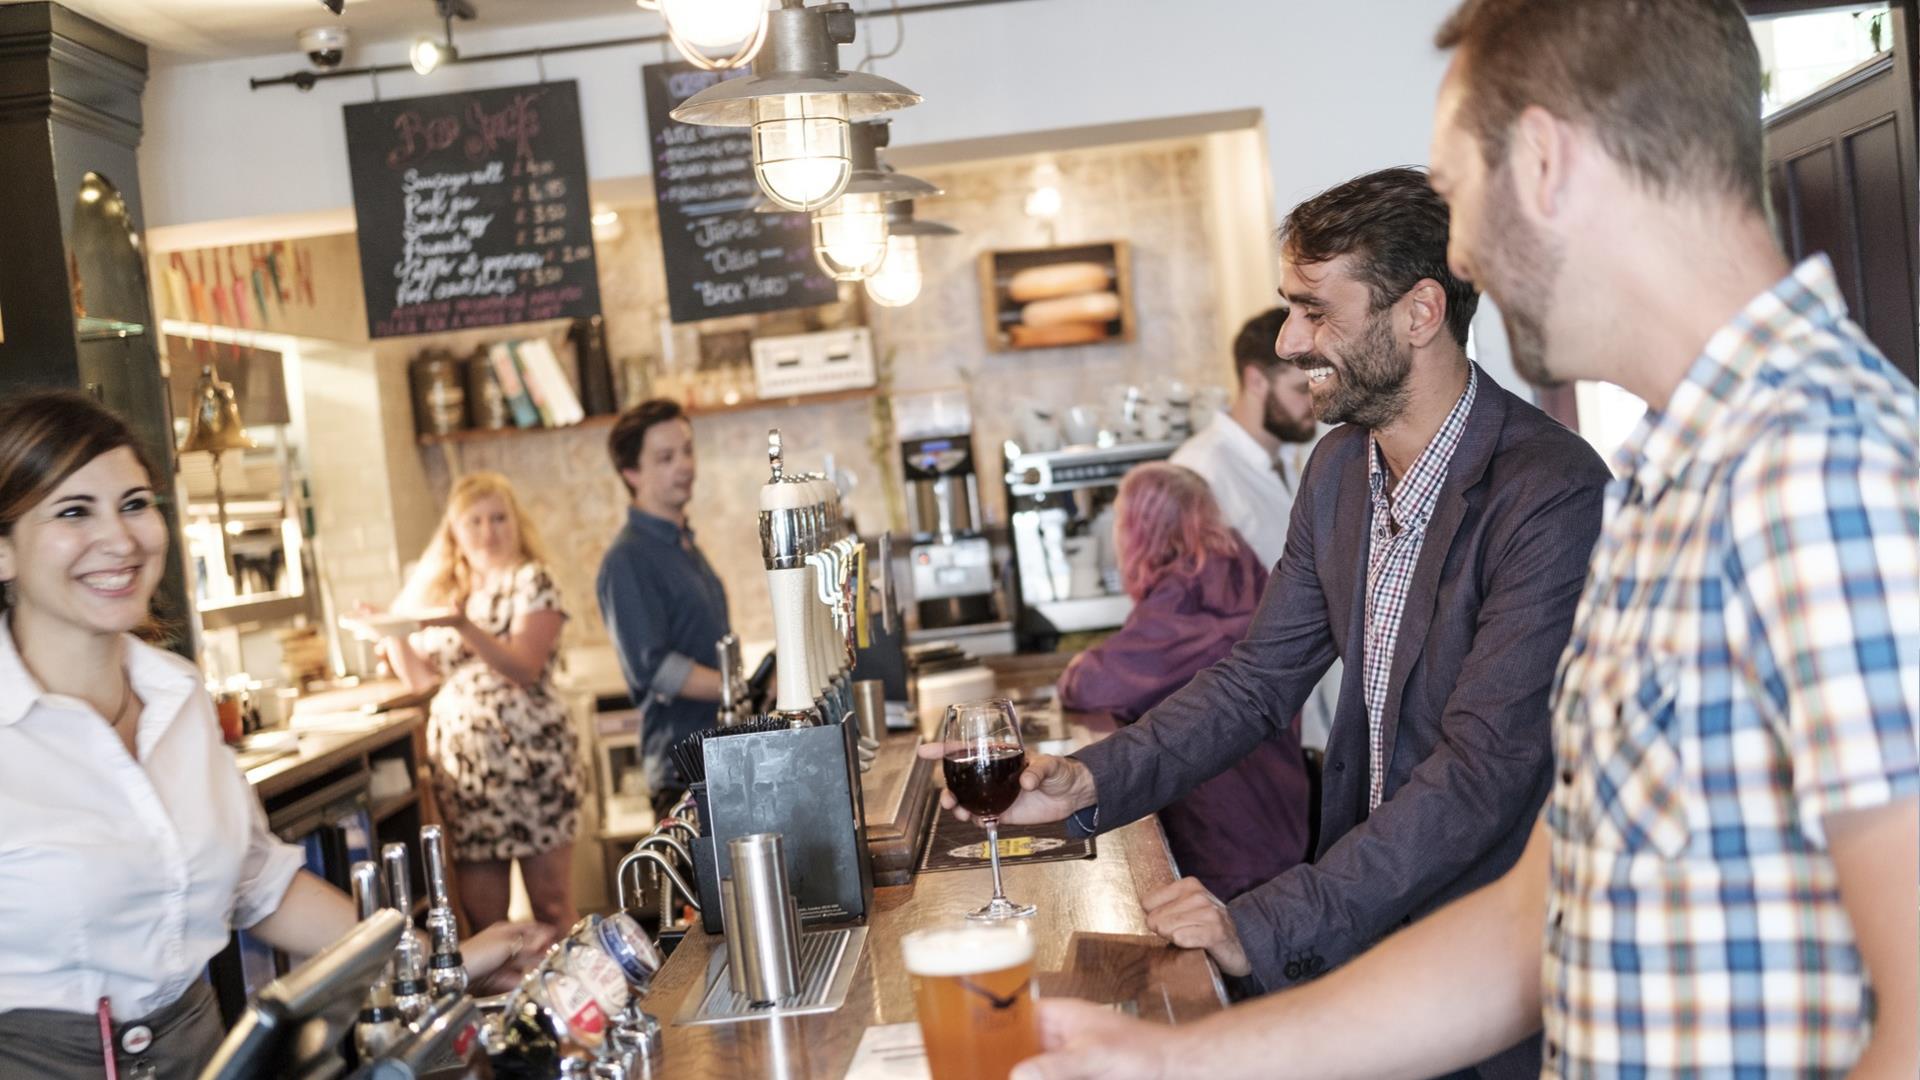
<point x="983" y="758"/>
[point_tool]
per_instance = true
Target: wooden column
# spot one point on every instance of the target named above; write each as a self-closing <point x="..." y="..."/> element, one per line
<point x="74" y="299"/>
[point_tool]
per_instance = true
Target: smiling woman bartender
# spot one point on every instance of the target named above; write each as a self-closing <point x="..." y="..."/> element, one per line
<point x="130" y="844"/>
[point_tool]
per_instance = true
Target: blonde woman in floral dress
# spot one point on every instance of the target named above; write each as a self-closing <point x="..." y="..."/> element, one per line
<point x="506" y="758"/>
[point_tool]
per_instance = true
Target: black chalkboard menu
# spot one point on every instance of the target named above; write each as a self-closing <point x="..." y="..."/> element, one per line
<point x="472" y="209"/>
<point x="722" y="257"/>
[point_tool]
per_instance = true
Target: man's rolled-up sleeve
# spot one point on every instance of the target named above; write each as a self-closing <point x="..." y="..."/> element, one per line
<point x="634" y="611"/>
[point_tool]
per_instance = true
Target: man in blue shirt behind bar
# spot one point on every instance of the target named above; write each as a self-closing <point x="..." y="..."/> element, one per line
<point x="664" y="607"/>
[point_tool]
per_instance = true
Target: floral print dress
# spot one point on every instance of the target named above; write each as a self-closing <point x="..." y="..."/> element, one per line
<point x="506" y="759"/>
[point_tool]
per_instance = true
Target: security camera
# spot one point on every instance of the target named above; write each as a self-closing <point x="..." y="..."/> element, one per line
<point x="326" y="46"/>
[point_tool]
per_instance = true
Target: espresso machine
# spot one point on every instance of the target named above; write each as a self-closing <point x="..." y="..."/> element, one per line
<point x="1060" y="513"/>
<point x="950" y="561"/>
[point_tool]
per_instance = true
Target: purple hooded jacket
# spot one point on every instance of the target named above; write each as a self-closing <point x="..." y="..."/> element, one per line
<point x="1246" y="825"/>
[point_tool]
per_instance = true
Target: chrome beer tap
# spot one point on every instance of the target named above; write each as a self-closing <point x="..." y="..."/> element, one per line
<point x="411" y="992"/>
<point x="446" y="969"/>
<point x="379" y="1026"/>
<point x="784" y="525"/>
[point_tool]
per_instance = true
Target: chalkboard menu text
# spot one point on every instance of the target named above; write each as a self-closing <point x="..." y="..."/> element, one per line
<point x="722" y="257"/>
<point x="472" y="209"/>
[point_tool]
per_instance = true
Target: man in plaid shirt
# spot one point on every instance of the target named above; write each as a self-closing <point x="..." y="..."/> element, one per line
<point x="1726" y="879"/>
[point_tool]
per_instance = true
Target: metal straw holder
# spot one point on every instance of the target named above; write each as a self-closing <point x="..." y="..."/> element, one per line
<point x="762" y="922"/>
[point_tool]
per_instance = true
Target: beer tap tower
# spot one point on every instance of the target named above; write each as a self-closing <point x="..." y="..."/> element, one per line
<point x="815" y="578"/>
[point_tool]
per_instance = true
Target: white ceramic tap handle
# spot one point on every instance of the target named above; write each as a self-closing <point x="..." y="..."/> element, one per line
<point x="793" y="667"/>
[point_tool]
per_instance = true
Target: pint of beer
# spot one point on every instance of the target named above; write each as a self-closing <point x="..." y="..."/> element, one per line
<point x="973" y="986"/>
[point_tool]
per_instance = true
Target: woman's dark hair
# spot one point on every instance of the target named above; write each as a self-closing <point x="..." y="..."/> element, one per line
<point x="630" y="432"/>
<point x="47" y="436"/>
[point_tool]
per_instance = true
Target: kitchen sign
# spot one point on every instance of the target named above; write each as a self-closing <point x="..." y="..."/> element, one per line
<point x="722" y="257"/>
<point x="472" y="209"/>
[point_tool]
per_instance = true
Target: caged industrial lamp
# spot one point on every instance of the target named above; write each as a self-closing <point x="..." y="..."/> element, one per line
<point x="700" y="28"/>
<point x="897" y="282"/>
<point x="800" y="105"/>
<point x="850" y="233"/>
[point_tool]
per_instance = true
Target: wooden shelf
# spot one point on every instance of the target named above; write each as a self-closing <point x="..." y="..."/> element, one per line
<point x="829" y="398"/>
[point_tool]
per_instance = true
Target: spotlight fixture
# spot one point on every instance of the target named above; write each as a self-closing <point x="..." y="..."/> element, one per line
<point x="428" y="54"/>
<point x="735" y="28"/>
<point x="800" y="105"/>
<point x="897" y="282"/>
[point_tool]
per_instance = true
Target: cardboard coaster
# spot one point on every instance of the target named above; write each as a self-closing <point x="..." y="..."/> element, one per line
<point x="962" y="845"/>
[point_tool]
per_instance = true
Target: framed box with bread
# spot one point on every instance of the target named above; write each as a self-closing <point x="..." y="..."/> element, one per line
<point x="1045" y="298"/>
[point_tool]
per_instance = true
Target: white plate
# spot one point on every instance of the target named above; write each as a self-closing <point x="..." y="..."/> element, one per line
<point x="377" y="625"/>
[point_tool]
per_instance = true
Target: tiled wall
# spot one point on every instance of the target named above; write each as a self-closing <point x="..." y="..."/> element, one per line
<point x="380" y="493"/>
<point x="1152" y="195"/>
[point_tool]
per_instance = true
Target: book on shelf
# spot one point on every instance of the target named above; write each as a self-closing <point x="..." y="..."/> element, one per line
<point x="507" y="372"/>
<point x="552" y="392"/>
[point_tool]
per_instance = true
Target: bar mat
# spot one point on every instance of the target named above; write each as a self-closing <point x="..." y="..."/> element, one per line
<point x="962" y="845"/>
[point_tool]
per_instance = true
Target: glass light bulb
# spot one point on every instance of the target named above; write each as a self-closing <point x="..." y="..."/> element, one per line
<point x="802" y="148"/>
<point x="714" y="24"/>
<point x="897" y="282"/>
<point x="850" y="236"/>
<point x="426" y="55"/>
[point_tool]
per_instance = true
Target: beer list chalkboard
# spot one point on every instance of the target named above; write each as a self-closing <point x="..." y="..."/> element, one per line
<point x="473" y="209"/>
<point x="722" y="258"/>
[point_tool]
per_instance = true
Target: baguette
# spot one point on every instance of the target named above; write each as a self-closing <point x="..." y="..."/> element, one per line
<point x="1094" y="307"/>
<point x="1059" y="279"/>
<point x="1046" y="337"/>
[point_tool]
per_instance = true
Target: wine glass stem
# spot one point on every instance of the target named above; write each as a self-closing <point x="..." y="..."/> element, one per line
<point x="993" y="853"/>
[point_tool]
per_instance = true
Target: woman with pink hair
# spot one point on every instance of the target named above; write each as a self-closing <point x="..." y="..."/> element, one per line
<point x="1194" y="584"/>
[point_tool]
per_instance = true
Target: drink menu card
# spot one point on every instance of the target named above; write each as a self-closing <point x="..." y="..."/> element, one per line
<point x="473" y="209"/>
<point x="722" y="257"/>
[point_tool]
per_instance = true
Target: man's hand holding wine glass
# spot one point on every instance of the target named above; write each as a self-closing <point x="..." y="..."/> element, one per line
<point x="1051" y="789"/>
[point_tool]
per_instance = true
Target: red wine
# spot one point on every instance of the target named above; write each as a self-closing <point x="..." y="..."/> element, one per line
<point x="987" y="779"/>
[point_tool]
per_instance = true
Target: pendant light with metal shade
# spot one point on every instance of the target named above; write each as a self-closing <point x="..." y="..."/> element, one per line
<point x="800" y="105"/>
<point x="897" y="283"/>
<point x="697" y="26"/>
<point x="850" y="233"/>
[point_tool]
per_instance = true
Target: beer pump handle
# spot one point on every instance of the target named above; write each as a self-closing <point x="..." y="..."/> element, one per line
<point x="886" y="583"/>
<point x="399" y="878"/>
<point x="367" y="897"/>
<point x="862" y="625"/>
<point x="434" y="849"/>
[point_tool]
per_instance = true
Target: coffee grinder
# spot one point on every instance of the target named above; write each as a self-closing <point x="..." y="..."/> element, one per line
<point x="951" y="561"/>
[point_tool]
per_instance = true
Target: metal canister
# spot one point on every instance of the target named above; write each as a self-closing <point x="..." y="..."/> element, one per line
<point x="439" y="393"/>
<point x="766" y="920"/>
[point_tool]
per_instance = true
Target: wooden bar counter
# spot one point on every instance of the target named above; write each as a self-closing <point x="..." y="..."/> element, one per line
<point x="1091" y="941"/>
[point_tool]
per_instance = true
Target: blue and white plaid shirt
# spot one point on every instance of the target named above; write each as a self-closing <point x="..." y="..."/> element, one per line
<point x="1745" y="662"/>
<point x="1400" y="515"/>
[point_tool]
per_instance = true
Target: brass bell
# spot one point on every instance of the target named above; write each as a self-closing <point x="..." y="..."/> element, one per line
<point x="215" y="424"/>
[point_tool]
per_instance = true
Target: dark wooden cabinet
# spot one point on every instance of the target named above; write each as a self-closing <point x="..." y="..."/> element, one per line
<point x="1841" y="174"/>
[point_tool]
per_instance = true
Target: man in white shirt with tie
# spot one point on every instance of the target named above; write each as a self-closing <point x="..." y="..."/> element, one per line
<point x="1251" y="456"/>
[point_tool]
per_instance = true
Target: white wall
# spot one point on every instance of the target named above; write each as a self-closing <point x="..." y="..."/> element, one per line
<point x="1345" y="86"/>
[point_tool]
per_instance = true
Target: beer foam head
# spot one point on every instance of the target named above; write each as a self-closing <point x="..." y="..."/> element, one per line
<point x="966" y="950"/>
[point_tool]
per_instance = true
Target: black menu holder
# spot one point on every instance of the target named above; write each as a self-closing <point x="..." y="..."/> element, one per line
<point x="803" y="783"/>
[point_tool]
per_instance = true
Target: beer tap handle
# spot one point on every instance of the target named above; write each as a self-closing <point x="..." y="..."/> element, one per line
<point x="367" y="893"/>
<point x="433" y="848"/>
<point x="399" y="878"/>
